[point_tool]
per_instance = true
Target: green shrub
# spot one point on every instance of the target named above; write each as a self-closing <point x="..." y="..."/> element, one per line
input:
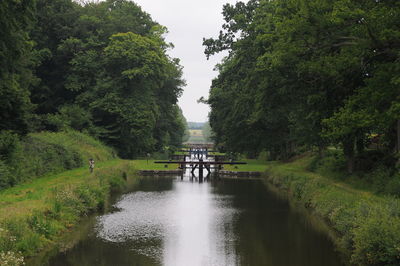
<point x="46" y="152"/>
<point x="89" y="197"/>
<point x="9" y="144"/>
<point x="116" y="183"/>
<point x="30" y="243"/>
<point x="65" y="199"/>
<point x="41" y="158"/>
<point x="377" y="238"/>
<point x="332" y="161"/>
<point x="263" y="156"/>
<point x="393" y="186"/>
<point x="25" y="239"/>
<point x="43" y="225"/>
<point x="6" y="178"/>
<point x="368" y="226"/>
<point x="380" y="177"/>
<point x="70" y="117"/>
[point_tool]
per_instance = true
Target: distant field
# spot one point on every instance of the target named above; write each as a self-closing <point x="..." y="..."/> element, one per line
<point x="196" y="139"/>
<point x="196" y="132"/>
<point x="196" y="136"/>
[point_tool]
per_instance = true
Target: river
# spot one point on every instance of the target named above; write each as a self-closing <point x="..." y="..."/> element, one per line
<point x="183" y="222"/>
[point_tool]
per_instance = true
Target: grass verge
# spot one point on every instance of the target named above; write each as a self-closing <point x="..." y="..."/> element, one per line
<point x="368" y="225"/>
<point x="251" y="166"/>
<point x="34" y="215"/>
<point x="150" y="165"/>
<point x="38" y="154"/>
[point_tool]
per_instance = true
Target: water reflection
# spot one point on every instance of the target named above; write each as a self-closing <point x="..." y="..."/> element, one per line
<point x="179" y="222"/>
<point x="198" y="233"/>
<point x="141" y="221"/>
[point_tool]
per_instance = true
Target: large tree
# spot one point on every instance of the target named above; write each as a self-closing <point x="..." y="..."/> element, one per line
<point x="306" y="73"/>
<point x="15" y="64"/>
<point x="104" y="69"/>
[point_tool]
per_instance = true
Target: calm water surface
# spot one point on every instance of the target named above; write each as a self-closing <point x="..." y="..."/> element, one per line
<point x="169" y="221"/>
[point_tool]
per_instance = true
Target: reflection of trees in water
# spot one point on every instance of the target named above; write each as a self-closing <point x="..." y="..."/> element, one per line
<point x="244" y="222"/>
<point x="269" y="231"/>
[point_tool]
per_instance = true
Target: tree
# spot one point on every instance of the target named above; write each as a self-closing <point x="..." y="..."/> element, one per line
<point x="15" y="63"/>
<point x="106" y="63"/>
<point x="306" y="73"/>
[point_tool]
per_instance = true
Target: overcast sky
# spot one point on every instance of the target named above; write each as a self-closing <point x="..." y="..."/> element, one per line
<point x="188" y="21"/>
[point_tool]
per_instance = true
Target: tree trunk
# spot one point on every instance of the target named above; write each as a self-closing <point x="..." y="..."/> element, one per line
<point x="398" y="145"/>
<point x="398" y="136"/>
<point x="284" y="155"/>
<point x="321" y="150"/>
<point x="348" y="150"/>
<point x="274" y="153"/>
<point x="293" y="147"/>
<point x="360" y="144"/>
<point x="350" y="165"/>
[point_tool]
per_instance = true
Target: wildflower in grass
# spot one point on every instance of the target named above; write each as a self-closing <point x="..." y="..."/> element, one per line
<point x="11" y="258"/>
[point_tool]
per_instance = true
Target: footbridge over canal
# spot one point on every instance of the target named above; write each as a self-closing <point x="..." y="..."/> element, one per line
<point x="197" y="157"/>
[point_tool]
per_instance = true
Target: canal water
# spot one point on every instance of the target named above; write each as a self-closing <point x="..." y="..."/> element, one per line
<point x="182" y="222"/>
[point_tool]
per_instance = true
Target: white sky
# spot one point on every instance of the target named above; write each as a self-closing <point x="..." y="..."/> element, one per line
<point x="188" y="21"/>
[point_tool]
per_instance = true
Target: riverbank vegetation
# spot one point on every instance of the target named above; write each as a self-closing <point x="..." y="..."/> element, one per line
<point x="319" y="77"/>
<point x="367" y="223"/>
<point x="42" y="153"/>
<point x="35" y="214"/>
<point x="150" y="165"/>
<point x="40" y="200"/>
<point x="364" y="213"/>
<point x="252" y="165"/>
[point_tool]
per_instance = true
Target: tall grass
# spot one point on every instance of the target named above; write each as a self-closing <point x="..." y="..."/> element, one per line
<point x="33" y="216"/>
<point x="374" y="173"/>
<point x="47" y="152"/>
<point x="251" y="166"/>
<point x="368" y="224"/>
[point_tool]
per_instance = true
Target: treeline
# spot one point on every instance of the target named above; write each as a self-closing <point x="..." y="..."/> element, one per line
<point x="308" y="74"/>
<point x="100" y="68"/>
<point x="195" y="125"/>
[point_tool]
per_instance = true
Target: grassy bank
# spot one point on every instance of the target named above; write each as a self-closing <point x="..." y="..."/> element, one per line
<point x="45" y="201"/>
<point x="368" y="224"/>
<point x="150" y="165"/>
<point x="34" y="215"/>
<point x="251" y="166"/>
<point x="42" y="153"/>
<point x="216" y="153"/>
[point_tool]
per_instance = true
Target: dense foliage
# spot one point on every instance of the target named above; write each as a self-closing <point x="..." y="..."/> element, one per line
<point x="207" y="132"/>
<point x="46" y="152"/>
<point x="100" y="68"/>
<point x="195" y="125"/>
<point x="308" y="74"/>
<point x="15" y="73"/>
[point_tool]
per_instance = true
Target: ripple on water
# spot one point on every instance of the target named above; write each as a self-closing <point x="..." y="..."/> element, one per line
<point x="142" y="216"/>
<point x="164" y="224"/>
